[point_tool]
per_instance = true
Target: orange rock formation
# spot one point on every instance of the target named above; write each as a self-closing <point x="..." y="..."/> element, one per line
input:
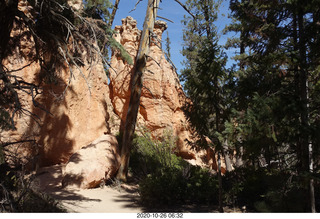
<point x="91" y="106"/>
<point x="73" y="119"/>
<point x="162" y="96"/>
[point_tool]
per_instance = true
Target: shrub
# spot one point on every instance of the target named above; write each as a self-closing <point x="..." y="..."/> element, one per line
<point x="167" y="179"/>
<point x="149" y="155"/>
<point x="166" y="188"/>
<point x="174" y="187"/>
<point x="202" y="186"/>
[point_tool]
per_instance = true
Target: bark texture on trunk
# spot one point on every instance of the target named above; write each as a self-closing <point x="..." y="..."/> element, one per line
<point x="114" y="11"/>
<point x="220" y="184"/>
<point x="225" y="149"/>
<point x="306" y="145"/>
<point x="136" y="86"/>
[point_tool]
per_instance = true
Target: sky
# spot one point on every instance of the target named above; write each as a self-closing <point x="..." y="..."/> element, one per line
<point x="173" y="11"/>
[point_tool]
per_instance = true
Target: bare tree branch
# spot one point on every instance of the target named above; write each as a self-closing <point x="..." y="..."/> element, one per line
<point x="154" y="36"/>
<point x="135" y="7"/>
<point x="114" y="11"/>
<point x="153" y="60"/>
<point x="16" y="142"/>
<point x="185" y="8"/>
<point x="149" y="92"/>
<point x="165" y="19"/>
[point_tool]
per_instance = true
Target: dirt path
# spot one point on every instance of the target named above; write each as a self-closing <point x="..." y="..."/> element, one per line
<point x="120" y="199"/>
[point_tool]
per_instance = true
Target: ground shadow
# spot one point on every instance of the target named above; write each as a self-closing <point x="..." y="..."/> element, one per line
<point x="54" y="144"/>
<point x="130" y="198"/>
<point x="49" y="180"/>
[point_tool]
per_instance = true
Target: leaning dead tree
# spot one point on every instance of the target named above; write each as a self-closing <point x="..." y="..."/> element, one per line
<point x="114" y="11"/>
<point x="136" y="86"/>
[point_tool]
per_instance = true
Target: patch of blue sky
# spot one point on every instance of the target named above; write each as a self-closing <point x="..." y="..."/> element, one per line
<point x="173" y="11"/>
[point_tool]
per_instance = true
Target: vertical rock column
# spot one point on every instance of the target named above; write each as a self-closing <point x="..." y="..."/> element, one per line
<point x="162" y="96"/>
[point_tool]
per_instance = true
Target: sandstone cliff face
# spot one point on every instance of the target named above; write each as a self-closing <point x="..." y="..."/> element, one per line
<point x="162" y="96"/>
<point x="76" y="117"/>
<point x="73" y="117"/>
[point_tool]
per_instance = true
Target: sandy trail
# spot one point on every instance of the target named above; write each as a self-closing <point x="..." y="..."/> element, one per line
<point x="121" y="199"/>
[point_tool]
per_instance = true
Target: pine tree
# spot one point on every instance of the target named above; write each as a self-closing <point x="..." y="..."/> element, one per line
<point x="274" y="82"/>
<point x="99" y="9"/>
<point x="260" y="60"/>
<point x="205" y="78"/>
<point x="206" y="81"/>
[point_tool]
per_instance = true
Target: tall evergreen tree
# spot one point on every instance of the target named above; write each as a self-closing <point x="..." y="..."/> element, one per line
<point x="206" y="81"/>
<point x="205" y="77"/>
<point x="274" y="82"/>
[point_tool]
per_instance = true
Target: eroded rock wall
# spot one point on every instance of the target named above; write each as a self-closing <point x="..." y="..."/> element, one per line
<point x="162" y="97"/>
<point x="74" y="106"/>
<point x="71" y="120"/>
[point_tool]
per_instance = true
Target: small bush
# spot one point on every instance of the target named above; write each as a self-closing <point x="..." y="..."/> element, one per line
<point x="167" y="179"/>
<point x="173" y="187"/>
<point x="167" y="188"/>
<point x="202" y="187"/>
<point x="149" y="156"/>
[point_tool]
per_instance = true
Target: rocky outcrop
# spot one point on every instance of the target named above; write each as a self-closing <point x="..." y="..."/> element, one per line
<point x="162" y="97"/>
<point x="74" y="117"/>
<point x="73" y="111"/>
<point x="93" y="164"/>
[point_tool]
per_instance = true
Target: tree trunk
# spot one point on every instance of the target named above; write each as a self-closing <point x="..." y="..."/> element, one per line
<point x="136" y="85"/>
<point x="220" y="184"/>
<point x="242" y="45"/>
<point x="316" y="23"/>
<point x="311" y="182"/>
<point x="225" y="148"/>
<point x="239" y="161"/>
<point x="307" y="160"/>
<point x="296" y="79"/>
<point x="114" y="11"/>
<point x="303" y="93"/>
